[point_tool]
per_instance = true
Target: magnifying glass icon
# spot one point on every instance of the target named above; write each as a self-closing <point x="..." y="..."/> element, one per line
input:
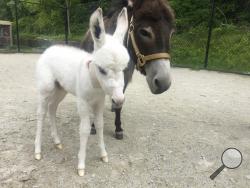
<point x="231" y="158"/>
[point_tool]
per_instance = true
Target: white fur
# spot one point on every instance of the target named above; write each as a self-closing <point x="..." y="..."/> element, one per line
<point x="61" y="70"/>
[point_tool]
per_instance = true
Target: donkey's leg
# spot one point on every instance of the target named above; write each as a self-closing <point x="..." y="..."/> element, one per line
<point x="128" y="73"/>
<point x="57" y="97"/>
<point x="98" y="121"/>
<point x="41" y="114"/>
<point x="118" y="128"/>
<point x="84" y="130"/>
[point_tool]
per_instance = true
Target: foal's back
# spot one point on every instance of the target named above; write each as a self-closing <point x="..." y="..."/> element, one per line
<point x="59" y="64"/>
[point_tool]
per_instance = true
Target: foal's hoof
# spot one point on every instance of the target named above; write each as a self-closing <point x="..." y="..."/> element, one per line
<point x="59" y="146"/>
<point x="81" y="172"/>
<point x="105" y="159"/>
<point x="93" y="131"/>
<point x="38" y="156"/>
<point x="119" y="135"/>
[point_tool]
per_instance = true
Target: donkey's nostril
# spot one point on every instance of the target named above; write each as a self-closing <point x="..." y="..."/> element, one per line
<point x="157" y="83"/>
<point x="161" y="84"/>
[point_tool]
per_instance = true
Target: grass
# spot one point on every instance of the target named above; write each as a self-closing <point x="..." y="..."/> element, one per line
<point x="230" y="49"/>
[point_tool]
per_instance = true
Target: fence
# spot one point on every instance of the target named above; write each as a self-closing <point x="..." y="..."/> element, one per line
<point x="218" y="48"/>
<point x="28" y="39"/>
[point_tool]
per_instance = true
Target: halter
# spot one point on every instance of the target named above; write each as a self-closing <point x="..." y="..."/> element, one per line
<point x="142" y="59"/>
<point x="88" y="63"/>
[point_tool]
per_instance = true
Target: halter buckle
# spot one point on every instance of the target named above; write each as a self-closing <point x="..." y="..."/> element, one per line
<point x="140" y="60"/>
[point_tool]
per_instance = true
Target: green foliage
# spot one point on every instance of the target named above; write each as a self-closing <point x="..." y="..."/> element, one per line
<point x="48" y="16"/>
<point x="230" y="47"/>
<point x="5" y="10"/>
<point x="192" y="13"/>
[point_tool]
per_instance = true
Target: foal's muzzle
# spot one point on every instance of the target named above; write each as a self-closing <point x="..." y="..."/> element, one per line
<point x="118" y="97"/>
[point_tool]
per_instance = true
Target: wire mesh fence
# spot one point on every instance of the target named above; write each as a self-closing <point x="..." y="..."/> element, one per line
<point x="223" y="43"/>
<point x="38" y="24"/>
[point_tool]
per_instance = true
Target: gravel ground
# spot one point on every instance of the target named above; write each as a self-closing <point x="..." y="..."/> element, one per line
<point x="171" y="140"/>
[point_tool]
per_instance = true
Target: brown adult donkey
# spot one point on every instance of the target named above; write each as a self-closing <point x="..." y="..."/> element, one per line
<point x="148" y="43"/>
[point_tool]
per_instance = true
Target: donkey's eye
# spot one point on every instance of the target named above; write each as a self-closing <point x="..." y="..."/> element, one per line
<point x="145" y="33"/>
<point x="102" y="71"/>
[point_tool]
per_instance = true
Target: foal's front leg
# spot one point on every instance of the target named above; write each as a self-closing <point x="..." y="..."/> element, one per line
<point x="84" y="129"/>
<point x="98" y="121"/>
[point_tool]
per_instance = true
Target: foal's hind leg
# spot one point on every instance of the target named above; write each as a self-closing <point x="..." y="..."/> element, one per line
<point x="55" y="99"/>
<point x="41" y="114"/>
<point x="93" y="129"/>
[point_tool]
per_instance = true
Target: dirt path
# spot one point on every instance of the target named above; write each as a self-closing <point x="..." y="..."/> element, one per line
<point x="171" y="140"/>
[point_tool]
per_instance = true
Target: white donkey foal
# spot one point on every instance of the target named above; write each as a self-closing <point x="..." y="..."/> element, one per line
<point x="62" y="70"/>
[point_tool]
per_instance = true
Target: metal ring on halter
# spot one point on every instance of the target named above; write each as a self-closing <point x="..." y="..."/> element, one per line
<point x="140" y="58"/>
<point x="131" y="28"/>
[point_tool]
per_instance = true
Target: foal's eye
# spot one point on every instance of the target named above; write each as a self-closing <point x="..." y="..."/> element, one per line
<point x="102" y="71"/>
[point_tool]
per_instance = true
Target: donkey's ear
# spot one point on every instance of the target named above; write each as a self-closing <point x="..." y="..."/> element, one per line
<point x="130" y="3"/>
<point x="97" y="28"/>
<point x="122" y="25"/>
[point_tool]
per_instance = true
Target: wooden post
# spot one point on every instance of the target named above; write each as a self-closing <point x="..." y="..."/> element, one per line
<point x="11" y="36"/>
<point x="17" y="28"/>
<point x="209" y="33"/>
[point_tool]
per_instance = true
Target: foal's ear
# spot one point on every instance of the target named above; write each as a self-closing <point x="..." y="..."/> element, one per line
<point x="97" y="28"/>
<point x="122" y="25"/>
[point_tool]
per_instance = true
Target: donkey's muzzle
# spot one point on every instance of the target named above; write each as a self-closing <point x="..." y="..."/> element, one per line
<point x="158" y="75"/>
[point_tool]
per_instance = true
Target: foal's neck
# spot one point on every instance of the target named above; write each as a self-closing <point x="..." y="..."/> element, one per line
<point x="92" y="73"/>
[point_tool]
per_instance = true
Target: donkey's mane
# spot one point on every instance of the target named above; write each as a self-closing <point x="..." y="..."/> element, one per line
<point x="154" y="9"/>
<point x="116" y="6"/>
